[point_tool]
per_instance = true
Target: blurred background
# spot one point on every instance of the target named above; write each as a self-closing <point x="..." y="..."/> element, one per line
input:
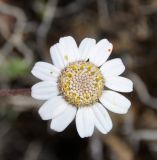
<point x="27" y="30"/>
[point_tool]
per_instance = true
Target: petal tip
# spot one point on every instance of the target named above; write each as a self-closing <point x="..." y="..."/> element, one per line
<point x="53" y="127"/>
<point x="42" y="115"/>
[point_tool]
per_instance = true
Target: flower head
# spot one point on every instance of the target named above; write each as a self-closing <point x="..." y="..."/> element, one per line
<point x="76" y="86"/>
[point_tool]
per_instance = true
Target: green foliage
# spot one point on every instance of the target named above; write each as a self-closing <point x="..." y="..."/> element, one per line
<point x="14" y="68"/>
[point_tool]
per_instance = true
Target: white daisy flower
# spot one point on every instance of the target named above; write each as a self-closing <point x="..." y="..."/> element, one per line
<point x="76" y="86"/>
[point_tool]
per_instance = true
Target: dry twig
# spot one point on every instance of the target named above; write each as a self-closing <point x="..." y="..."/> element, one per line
<point x="142" y="91"/>
<point x="16" y="37"/>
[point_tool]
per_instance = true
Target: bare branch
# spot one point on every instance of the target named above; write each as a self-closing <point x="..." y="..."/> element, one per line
<point x="16" y="37"/>
<point x="96" y="147"/>
<point x="146" y="134"/>
<point x="46" y="24"/>
<point x="33" y="151"/>
<point x="142" y="91"/>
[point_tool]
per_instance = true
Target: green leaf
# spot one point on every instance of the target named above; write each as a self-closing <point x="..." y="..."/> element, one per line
<point x="15" y="67"/>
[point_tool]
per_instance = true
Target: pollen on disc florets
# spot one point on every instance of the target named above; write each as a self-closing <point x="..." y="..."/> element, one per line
<point x="81" y="83"/>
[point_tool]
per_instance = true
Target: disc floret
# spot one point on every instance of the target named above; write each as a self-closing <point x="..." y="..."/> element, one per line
<point x="81" y="83"/>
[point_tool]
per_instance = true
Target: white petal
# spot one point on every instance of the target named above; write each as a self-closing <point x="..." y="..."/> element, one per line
<point x="115" y="102"/>
<point x="45" y="71"/>
<point x="100" y="52"/>
<point x="71" y="52"/>
<point x="59" y="109"/>
<point x="119" y="84"/>
<point x="60" y="122"/>
<point x="44" y="90"/>
<point x="57" y="56"/>
<point x="113" y="67"/>
<point x="85" y="122"/>
<point x="102" y="119"/>
<point x="64" y="52"/>
<point x="49" y="106"/>
<point x="85" y="47"/>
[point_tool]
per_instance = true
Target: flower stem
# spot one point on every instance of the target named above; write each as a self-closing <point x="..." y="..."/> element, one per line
<point x="14" y="92"/>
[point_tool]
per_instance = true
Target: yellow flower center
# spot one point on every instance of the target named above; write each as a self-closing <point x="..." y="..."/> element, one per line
<point x="81" y="83"/>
